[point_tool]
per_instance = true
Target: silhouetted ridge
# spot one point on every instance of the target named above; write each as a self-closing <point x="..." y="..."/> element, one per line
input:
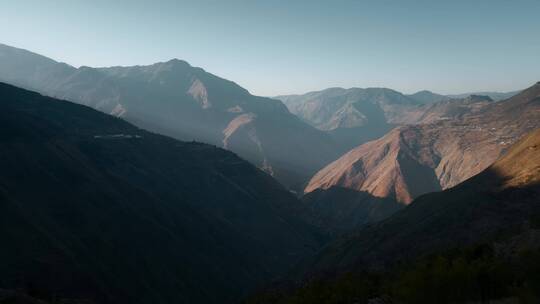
<point x="95" y="208"/>
<point x="339" y="210"/>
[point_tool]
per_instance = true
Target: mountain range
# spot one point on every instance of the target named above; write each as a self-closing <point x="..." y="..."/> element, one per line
<point x="164" y="183"/>
<point x="477" y="242"/>
<point x="354" y="116"/>
<point x="415" y="159"/>
<point x="178" y="100"/>
<point x="351" y="116"/>
<point x="93" y="207"/>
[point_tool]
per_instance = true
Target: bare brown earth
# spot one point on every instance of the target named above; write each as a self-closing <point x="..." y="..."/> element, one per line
<point x="499" y="206"/>
<point x="416" y="159"/>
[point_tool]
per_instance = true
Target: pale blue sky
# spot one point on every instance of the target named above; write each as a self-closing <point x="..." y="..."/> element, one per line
<point x="275" y="47"/>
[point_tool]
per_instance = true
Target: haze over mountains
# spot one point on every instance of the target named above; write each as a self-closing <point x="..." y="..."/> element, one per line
<point x="185" y="102"/>
<point x="355" y="116"/>
<point x="474" y="243"/>
<point x="95" y="208"/>
<point x="416" y="159"/>
<point x="351" y="116"/>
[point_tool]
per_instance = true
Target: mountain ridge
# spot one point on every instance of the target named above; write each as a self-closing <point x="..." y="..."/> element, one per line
<point x="444" y="152"/>
<point x="175" y="99"/>
<point x="117" y="214"/>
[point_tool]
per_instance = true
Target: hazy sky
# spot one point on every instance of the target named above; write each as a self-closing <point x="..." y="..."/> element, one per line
<point x="275" y="47"/>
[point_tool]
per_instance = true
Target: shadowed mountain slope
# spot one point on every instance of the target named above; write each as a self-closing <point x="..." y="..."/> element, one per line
<point x="446" y="109"/>
<point x="501" y="200"/>
<point x="93" y="207"/>
<point x="185" y="102"/>
<point x="340" y="210"/>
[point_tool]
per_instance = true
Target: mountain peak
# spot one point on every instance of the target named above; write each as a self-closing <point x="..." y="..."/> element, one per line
<point x="177" y="61"/>
<point x="426" y="96"/>
<point x="174" y="63"/>
<point x="423" y="92"/>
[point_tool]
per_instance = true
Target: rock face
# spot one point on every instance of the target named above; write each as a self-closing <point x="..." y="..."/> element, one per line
<point x="185" y="102"/>
<point x="502" y="199"/>
<point x="95" y="208"/>
<point x="416" y="159"/>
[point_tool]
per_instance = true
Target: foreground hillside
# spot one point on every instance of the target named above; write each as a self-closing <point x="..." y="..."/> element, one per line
<point x="93" y="207"/>
<point x="475" y="243"/>
<point x="416" y="159"/>
<point x="178" y="100"/>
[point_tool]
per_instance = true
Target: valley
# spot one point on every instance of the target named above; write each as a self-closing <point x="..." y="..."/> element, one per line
<point x="187" y="103"/>
<point x="436" y="155"/>
<point x="269" y="152"/>
<point x="95" y="208"/>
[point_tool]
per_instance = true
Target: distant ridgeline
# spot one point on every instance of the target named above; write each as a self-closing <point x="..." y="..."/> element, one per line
<point x="434" y="199"/>
<point x="178" y="100"/>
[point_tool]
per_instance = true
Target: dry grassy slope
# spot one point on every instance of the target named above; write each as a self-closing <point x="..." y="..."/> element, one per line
<point x="380" y="167"/>
<point x="452" y="109"/>
<point x="413" y="160"/>
<point x="496" y="204"/>
<point x="521" y="165"/>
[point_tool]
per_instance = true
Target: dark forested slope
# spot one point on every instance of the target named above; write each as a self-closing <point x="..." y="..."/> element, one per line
<point x="93" y="207"/>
